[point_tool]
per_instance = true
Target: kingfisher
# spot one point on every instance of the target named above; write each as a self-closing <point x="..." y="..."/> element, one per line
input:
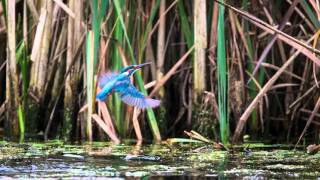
<point x="120" y="83"/>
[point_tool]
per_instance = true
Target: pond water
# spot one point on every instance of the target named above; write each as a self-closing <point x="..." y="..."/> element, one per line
<point x="180" y="161"/>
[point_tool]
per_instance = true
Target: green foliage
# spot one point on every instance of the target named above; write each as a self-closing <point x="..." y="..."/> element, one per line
<point x="98" y="15"/>
<point x="185" y="25"/>
<point x="4" y="5"/>
<point x="21" y="117"/>
<point x="153" y="14"/>
<point x="22" y="61"/>
<point x="90" y="78"/>
<point x="222" y="79"/>
<point x="312" y="15"/>
<point x="252" y="86"/>
<point x="151" y="116"/>
<point x="117" y="107"/>
<point x="21" y="55"/>
<point x="92" y="47"/>
<point x="130" y="31"/>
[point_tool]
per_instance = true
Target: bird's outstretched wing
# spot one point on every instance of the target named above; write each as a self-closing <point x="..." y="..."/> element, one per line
<point x="106" y="83"/>
<point x="131" y="96"/>
<point x="105" y="78"/>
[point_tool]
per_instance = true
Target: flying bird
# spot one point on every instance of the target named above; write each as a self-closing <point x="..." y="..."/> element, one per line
<point x="120" y="83"/>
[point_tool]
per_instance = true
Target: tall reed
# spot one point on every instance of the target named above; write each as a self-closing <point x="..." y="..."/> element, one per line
<point x="222" y="73"/>
<point x="56" y="51"/>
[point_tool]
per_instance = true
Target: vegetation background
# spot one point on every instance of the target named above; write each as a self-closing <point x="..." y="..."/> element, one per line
<point x="221" y="68"/>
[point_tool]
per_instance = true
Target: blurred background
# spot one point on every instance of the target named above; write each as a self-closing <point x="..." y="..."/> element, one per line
<point x="224" y="70"/>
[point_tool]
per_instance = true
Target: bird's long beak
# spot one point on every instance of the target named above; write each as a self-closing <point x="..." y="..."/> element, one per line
<point x="141" y="65"/>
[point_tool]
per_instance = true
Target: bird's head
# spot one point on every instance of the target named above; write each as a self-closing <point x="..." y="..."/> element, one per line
<point x="133" y="68"/>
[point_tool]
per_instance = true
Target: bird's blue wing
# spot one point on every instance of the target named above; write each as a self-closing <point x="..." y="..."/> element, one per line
<point x="106" y="82"/>
<point x="105" y="78"/>
<point x="131" y="96"/>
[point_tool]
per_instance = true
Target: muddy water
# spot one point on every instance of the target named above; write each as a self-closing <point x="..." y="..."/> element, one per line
<point x="183" y="161"/>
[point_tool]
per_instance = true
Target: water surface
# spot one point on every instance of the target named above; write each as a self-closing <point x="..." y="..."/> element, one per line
<point x="183" y="161"/>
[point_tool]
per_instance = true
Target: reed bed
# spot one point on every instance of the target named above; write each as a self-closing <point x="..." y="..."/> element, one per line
<point x="221" y="68"/>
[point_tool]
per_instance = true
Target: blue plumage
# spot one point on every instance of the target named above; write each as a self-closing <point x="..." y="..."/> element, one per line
<point x="120" y="83"/>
